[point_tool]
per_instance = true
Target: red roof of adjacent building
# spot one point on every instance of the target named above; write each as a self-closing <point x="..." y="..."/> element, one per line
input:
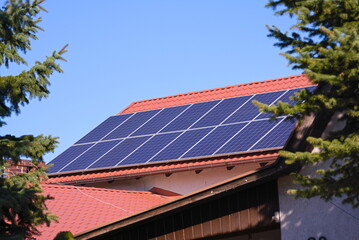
<point x="167" y="167"/>
<point x="296" y="81"/>
<point x="83" y="208"/>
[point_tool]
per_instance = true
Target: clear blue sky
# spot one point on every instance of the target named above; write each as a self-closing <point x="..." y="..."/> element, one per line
<point x="127" y="50"/>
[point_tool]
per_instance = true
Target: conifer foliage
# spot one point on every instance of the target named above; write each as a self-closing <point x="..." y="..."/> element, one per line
<point x="22" y="207"/>
<point x="324" y="42"/>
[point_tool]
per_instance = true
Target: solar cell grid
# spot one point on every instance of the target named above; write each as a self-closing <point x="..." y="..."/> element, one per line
<point x="134" y="123"/>
<point x="249" y="110"/>
<point x="189" y="117"/>
<point x="247" y="137"/>
<point x="221" y="111"/>
<point x="201" y="129"/>
<point x="276" y="138"/>
<point x="181" y="145"/>
<point x="213" y="141"/>
<point x="104" y="128"/>
<point x="123" y="149"/>
<point x="67" y="156"/>
<point x="154" y="144"/>
<point x="93" y="153"/>
<point x="160" y="120"/>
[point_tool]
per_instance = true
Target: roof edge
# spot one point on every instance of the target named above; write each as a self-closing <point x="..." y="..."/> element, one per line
<point x="204" y="158"/>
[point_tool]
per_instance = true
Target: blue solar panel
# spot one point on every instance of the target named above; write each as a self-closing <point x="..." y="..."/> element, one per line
<point x="67" y="156"/>
<point x="214" y="140"/>
<point x="160" y="120"/>
<point x="190" y="116"/>
<point x="131" y="124"/>
<point x="221" y="111"/>
<point x="119" y="152"/>
<point x="150" y="148"/>
<point x="202" y="129"/>
<point x="91" y="155"/>
<point x="277" y="137"/>
<point x="104" y="128"/>
<point x="249" y="110"/>
<point x="181" y="144"/>
<point x="247" y="137"/>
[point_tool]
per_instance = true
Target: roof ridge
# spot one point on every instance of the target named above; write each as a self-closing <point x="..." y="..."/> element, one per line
<point x="220" y="88"/>
<point x="56" y="185"/>
<point x="238" y="87"/>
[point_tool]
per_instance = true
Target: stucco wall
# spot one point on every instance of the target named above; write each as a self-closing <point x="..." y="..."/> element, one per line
<point x="182" y="182"/>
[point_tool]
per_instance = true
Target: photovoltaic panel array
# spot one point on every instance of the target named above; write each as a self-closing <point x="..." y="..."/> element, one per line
<point x="225" y="126"/>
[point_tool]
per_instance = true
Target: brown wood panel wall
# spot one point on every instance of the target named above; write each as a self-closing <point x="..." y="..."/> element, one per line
<point x="231" y="212"/>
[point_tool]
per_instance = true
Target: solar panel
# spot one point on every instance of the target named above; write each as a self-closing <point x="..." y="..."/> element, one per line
<point x="222" y="111"/>
<point x="123" y="149"/>
<point x="104" y="128"/>
<point x="210" y="128"/>
<point x="246" y="137"/>
<point x="133" y="124"/>
<point x="190" y="116"/>
<point x="68" y="156"/>
<point x="95" y="152"/>
<point x="213" y="141"/>
<point x="250" y="111"/>
<point x="177" y="148"/>
<point x="151" y="147"/>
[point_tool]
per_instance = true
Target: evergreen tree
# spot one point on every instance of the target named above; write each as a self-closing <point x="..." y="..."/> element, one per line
<point x="22" y="207"/>
<point x="324" y="42"/>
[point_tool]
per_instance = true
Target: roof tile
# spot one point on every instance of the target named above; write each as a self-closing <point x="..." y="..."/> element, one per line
<point x="82" y="208"/>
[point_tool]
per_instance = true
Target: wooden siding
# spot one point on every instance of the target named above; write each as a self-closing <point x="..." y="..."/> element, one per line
<point x="231" y="212"/>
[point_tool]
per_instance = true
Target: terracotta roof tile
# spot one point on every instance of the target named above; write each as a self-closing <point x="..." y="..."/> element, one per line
<point x="295" y="81"/>
<point x="82" y="208"/>
<point x="103" y="175"/>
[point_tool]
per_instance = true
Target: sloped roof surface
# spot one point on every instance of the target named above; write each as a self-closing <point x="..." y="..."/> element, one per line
<point x="82" y="177"/>
<point x="83" y="208"/>
<point x="278" y="84"/>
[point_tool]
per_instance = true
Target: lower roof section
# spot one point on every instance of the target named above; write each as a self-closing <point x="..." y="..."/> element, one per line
<point x="163" y="168"/>
<point x="82" y="208"/>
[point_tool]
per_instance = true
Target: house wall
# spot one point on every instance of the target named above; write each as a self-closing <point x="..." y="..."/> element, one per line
<point x="305" y="218"/>
<point x="181" y="182"/>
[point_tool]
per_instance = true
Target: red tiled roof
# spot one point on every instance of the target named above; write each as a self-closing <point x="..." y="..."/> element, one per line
<point x="83" y="208"/>
<point x="278" y="84"/>
<point x="167" y="167"/>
